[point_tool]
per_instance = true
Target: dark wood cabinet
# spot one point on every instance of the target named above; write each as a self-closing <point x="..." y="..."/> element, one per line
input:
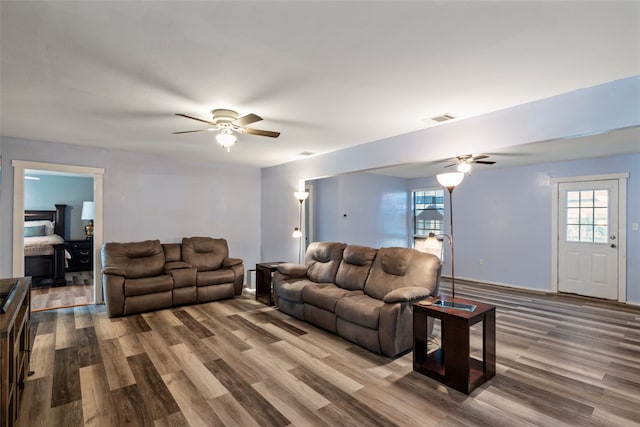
<point x="81" y="255"/>
<point x="15" y="340"/>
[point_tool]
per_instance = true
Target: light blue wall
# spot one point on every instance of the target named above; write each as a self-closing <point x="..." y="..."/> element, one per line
<point x="587" y="111"/>
<point x="51" y="190"/>
<point x="362" y="209"/>
<point x="503" y="216"/>
<point x="150" y="197"/>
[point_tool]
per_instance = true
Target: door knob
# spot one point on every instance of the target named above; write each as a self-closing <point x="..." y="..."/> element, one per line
<point x="613" y="245"/>
<point x="612" y="237"/>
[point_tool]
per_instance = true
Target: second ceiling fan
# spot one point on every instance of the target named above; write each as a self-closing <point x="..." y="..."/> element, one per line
<point x="227" y="123"/>
<point x="464" y="162"/>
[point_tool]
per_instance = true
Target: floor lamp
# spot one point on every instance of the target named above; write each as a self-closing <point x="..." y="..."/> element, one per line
<point x="450" y="181"/>
<point x="297" y="232"/>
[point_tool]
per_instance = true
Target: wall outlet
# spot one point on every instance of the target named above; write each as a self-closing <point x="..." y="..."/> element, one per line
<point x="634" y="226"/>
<point x="481" y="261"/>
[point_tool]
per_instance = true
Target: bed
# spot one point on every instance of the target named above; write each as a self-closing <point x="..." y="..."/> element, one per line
<point x="45" y="250"/>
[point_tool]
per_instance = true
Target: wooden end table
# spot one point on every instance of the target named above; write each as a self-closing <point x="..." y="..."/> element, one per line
<point x="452" y="363"/>
<point x="264" y="289"/>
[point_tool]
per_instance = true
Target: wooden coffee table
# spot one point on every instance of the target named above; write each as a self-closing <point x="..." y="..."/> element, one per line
<point x="452" y="364"/>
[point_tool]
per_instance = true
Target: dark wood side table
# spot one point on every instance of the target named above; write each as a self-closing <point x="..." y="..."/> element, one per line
<point x="452" y="363"/>
<point x="264" y="290"/>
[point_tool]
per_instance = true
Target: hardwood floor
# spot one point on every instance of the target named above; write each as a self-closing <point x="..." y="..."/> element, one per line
<point x="561" y="360"/>
<point x="79" y="291"/>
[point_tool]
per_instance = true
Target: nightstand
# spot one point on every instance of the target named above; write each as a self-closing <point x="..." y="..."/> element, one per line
<point x="81" y="255"/>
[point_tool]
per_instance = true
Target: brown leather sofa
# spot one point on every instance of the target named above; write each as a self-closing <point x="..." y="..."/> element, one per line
<point x="362" y="294"/>
<point x="149" y="275"/>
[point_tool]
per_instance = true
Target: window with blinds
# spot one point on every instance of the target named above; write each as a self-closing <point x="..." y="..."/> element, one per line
<point x="428" y="212"/>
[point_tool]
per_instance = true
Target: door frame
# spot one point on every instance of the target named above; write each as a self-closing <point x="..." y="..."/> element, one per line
<point x="621" y="232"/>
<point x="19" y="167"/>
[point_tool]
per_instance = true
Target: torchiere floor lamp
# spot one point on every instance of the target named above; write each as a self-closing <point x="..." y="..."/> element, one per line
<point x="297" y="232"/>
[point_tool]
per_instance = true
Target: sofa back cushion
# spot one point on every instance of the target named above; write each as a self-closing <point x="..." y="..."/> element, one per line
<point x="395" y="268"/>
<point x="322" y="261"/>
<point x="135" y="259"/>
<point x="354" y="267"/>
<point x="204" y="253"/>
<point x="172" y="252"/>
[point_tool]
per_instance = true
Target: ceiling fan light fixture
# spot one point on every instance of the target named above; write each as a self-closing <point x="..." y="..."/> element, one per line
<point x="464" y="167"/>
<point x="226" y="139"/>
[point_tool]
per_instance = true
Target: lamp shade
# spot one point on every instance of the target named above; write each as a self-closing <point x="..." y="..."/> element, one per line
<point x="88" y="211"/>
<point x="301" y="195"/>
<point x="451" y="179"/>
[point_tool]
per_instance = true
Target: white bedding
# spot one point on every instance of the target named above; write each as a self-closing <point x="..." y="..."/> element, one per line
<point x="42" y="245"/>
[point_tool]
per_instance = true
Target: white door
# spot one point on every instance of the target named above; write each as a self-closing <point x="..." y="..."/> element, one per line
<point x="588" y="241"/>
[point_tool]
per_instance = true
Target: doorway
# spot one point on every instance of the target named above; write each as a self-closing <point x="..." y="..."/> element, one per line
<point x="589" y="237"/>
<point x="18" y="214"/>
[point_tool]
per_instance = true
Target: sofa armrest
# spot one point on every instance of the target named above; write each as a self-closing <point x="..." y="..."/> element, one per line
<point x="230" y="262"/>
<point x="292" y="270"/>
<point x="116" y="271"/>
<point x="407" y="293"/>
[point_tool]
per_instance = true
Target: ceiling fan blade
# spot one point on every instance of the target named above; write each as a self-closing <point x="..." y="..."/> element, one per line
<point x="247" y="120"/>
<point x="452" y="164"/>
<point x="484" y="162"/>
<point x="195" y="118"/>
<point x="189" y="131"/>
<point x="261" y="132"/>
<point x="480" y="157"/>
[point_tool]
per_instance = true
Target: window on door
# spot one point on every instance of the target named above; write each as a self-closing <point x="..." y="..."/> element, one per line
<point x="427" y="207"/>
<point x="587" y="216"/>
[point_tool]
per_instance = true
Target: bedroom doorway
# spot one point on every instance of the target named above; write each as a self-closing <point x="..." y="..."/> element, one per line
<point x="75" y="282"/>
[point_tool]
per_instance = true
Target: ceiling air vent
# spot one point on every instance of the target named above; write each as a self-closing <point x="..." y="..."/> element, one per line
<point x="443" y="118"/>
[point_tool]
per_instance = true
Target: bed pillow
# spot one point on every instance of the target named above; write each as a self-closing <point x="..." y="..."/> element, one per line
<point x="48" y="226"/>
<point x="38" y="230"/>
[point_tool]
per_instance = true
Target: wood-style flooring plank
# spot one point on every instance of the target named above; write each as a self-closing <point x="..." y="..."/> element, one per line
<point x="97" y="402"/>
<point x="115" y="364"/>
<point x="158" y="401"/>
<point x="347" y="404"/>
<point x="193" y="405"/>
<point x="248" y="397"/>
<point x="66" y="377"/>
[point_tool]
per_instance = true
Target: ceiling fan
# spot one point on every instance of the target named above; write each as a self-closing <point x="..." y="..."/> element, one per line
<point x="227" y="122"/>
<point x="464" y="162"/>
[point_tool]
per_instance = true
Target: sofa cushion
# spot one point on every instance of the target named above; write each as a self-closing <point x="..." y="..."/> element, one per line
<point x="147" y="285"/>
<point x="204" y="253"/>
<point x="172" y="252"/>
<point x="135" y="259"/>
<point x="215" y="277"/>
<point x="324" y="295"/>
<point x="395" y="268"/>
<point x="361" y="335"/>
<point x="322" y="260"/>
<point x="354" y="267"/>
<point x="360" y="309"/>
<point x="292" y="290"/>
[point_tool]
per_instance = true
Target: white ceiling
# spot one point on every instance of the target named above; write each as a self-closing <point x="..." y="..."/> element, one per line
<point x="327" y="75"/>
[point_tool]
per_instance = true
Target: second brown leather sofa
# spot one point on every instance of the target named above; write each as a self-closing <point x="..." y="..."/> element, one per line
<point x="148" y="275"/>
